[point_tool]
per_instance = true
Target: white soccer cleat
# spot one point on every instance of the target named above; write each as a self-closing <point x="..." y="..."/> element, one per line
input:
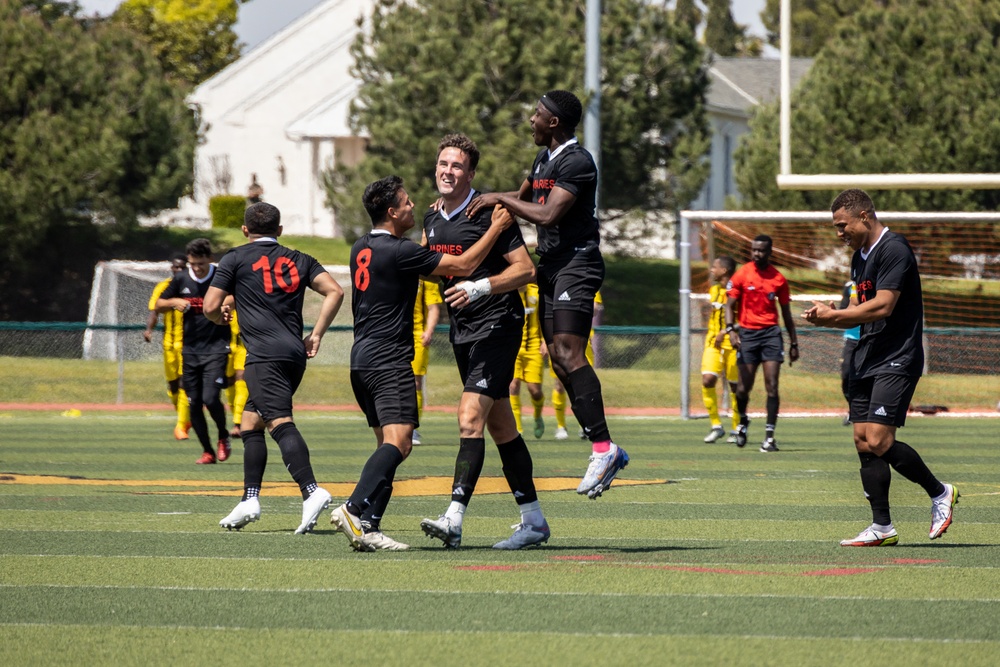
<point x="376" y="540"/>
<point x="443" y="529"/>
<point x="317" y="501"/>
<point x="717" y="433"/>
<point x="525" y="536"/>
<point x="561" y="434"/>
<point x="942" y="510"/>
<point x="869" y="537"/>
<point x="247" y="511"/>
<point x="350" y="526"/>
<point x="602" y="470"/>
<point x="415" y="440"/>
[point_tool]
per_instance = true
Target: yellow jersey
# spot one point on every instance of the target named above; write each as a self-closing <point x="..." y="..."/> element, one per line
<point x="428" y="294"/>
<point x="717" y="318"/>
<point x="173" y="320"/>
<point x="531" y="337"/>
<point x="234" y="332"/>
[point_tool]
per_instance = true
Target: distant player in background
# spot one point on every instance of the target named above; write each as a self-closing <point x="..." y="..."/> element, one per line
<point x="530" y="360"/>
<point x="760" y="290"/>
<point x="719" y="358"/>
<point x="886" y="365"/>
<point x="173" y="344"/>
<point x="267" y="282"/>
<point x="559" y="392"/>
<point x="206" y="347"/>
<point x="236" y="386"/>
<point x="851" y="337"/>
<point x="426" y="315"/>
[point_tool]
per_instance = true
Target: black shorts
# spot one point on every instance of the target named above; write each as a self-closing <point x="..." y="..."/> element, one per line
<point x="386" y="396"/>
<point x="487" y="366"/>
<point x="570" y="282"/>
<point x="203" y="374"/>
<point x="757" y="345"/>
<point x="881" y="399"/>
<point x="271" y="385"/>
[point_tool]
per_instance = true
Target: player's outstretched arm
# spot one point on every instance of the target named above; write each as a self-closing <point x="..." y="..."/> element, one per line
<point x="520" y="271"/>
<point x="793" y="339"/>
<point x="491" y="199"/>
<point x="151" y="321"/>
<point x="333" y="298"/>
<point x="466" y="263"/>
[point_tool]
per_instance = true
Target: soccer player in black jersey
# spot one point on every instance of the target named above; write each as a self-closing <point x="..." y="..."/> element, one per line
<point x="267" y="282"/>
<point x="487" y="323"/>
<point x="385" y="269"/>
<point x="205" y="350"/>
<point x="886" y="363"/>
<point x="560" y="197"/>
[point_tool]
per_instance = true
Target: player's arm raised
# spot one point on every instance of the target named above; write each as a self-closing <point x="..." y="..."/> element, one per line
<point x="333" y="298"/>
<point x="548" y="214"/>
<point x="493" y="198"/>
<point x="466" y="263"/>
<point x="520" y="271"/>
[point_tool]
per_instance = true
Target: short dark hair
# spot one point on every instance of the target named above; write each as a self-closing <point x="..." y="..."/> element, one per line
<point x="262" y="218"/>
<point x="764" y="238"/>
<point x="464" y="144"/>
<point x="728" y="263"/>
<point x="199" y="248"/>
<point x="853" y="201"/>
<point x="380" y="196"/>
<point x="178" y="257"/>
<point x="565" y="106"/>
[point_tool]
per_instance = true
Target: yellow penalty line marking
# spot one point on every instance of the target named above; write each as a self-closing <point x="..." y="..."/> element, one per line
<point x="420" y="486"/>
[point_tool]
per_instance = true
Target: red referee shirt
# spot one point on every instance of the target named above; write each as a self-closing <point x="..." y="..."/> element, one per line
<point x="759" y="293"/>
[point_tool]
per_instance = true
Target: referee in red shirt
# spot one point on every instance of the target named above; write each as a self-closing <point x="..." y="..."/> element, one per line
<point x="759" y="288"/>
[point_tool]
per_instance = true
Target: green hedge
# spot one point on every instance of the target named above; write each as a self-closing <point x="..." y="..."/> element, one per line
<point x="227" y="210"/>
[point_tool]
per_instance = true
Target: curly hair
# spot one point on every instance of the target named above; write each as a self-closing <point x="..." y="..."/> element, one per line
<point x="464" y="144"/>
<point x="853" y="201"/>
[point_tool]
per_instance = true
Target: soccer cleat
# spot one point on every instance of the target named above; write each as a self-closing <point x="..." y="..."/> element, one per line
<point x="180" y="433"/>
<point x="869" y="537"/>
<point x="741" y="433"/>
<point x="847" y="421"/>
<point x="539" y="427"/>
<point x="716" y="433"/>
<point x="224" y="449"/>
<point x="350" y="526"/>
<point x="317" y="501"/>
<point x="376" y="540"/>
<point x="942" y="510"/>
<point x="582" y="434"/>
<point x="525" y="536"/>
<point x="245" y="512"/>
<point x="561" y="434"/>
<point x="443" y="529"/>
<point x="769" y="445"/>
<point x="415" y="439"/>
<point x="601" y="471"/>
<point x="206" y="458"/>
<point x="732" y="438"/>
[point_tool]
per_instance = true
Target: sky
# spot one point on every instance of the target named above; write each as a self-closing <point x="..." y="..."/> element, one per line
<point x="259" y="19"/>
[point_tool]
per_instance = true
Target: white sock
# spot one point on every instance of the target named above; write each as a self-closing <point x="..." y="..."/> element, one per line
<point x="531" y="514"/>
<point x="455" y="513"/>
<point x="883" y="529"/>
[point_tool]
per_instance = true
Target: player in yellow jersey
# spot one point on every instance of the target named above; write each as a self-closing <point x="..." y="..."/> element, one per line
<point x="559" y="392"/>
<point x="173" y="342"/>
<point x="426" y="314"/>
<point x="528" y="366"/>
<point x="236" y="387"/>
<point x="719" y="356"/>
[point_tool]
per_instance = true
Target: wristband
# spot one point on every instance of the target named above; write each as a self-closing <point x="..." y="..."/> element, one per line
<point x="730" y="328"/>
<point x="475" y="289"/>
<point x="793" y="345"/>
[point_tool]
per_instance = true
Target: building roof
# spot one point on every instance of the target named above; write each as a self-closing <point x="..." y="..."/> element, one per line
<point x="740" y="84"/>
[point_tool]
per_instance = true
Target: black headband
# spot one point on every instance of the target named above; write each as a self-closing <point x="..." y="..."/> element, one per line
<point x="551" y="105"/>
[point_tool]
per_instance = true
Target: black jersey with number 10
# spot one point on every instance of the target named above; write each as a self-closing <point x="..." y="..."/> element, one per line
<point x="268" y="282"/>
<point x="384" y="273"/>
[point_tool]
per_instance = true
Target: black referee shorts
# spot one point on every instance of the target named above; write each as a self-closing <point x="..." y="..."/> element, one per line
<point x="757" y="345"/>
<point x="271" y="385"/>
<point x="881" y="399"/>
<point x="386" y="396"/>
<point x="570" y="282"/>
<point x="487" y="366"/>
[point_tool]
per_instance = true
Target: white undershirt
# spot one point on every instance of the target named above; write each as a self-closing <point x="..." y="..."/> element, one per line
<point x="864" y="255"/>
<point x="559" y="150"/>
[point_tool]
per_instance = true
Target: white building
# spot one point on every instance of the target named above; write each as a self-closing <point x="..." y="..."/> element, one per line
<point x="280" y="113"/>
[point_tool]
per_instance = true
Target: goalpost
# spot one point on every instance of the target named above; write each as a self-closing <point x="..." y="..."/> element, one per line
<point x="958" y="254"/>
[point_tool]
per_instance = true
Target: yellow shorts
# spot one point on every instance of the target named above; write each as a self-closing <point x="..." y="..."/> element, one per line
<point x="589" y="354"/>
<point x="528" y="366"/>
<point x="715" y="361"/>
<point x="237" y="360"/>
<point x="172" y="362"/>
<point x="420" y="356"/>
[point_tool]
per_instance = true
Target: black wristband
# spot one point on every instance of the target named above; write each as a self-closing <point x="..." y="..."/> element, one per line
<point x="793" y="345"/>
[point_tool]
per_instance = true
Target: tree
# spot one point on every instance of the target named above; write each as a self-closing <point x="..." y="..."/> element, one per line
<point x="905" y="88"/>
<point x="687" y="12"/>
<point x="431" y="67"/>
<point x="91" y="137"/>
<point x="813" y="21"/>
<point x="192" y="39"/>
<point x="724" y="36"/>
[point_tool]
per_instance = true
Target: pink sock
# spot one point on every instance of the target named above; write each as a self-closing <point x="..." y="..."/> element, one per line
<point x="602" y="447"/>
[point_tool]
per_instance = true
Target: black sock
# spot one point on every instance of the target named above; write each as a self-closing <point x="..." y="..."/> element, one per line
<point x="905" y="460"/>
<point x="875" y="480"/>
<point x="218" y="414"/>
<point x="371" y="518"/>
<point x="517" y="468"/>
<point x="772" y="412"/>
<point x="741" y="406"/>
<point x="588" y="403"/>
<point x="254" y="459"/>
<point x="379" y="469"/>
<point x="295" y="454"/>
<point x="468" y="467"/>
<point x="200" y="427"/>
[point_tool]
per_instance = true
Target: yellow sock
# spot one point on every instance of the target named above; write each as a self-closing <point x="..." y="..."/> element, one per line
<point x="420" y="404"/>
<point x="231" y="395"/>
<point x="183" y="409"/>
<point x="559" y="403"/>
<point x="538" y="404"/>
<point x="711" y="400"/>
<point x="515" y="405"/>
<point x="239" y="401"/>
<point x="736" y="414"/>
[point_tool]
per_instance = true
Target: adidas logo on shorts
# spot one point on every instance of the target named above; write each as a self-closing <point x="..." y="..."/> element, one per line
<point x="880" y="412"/>
<point x="482" y="384"/>
<point x="564" y="297"/>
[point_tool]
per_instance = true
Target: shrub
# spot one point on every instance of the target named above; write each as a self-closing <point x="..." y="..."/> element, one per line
<point x="227" y="210"/>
